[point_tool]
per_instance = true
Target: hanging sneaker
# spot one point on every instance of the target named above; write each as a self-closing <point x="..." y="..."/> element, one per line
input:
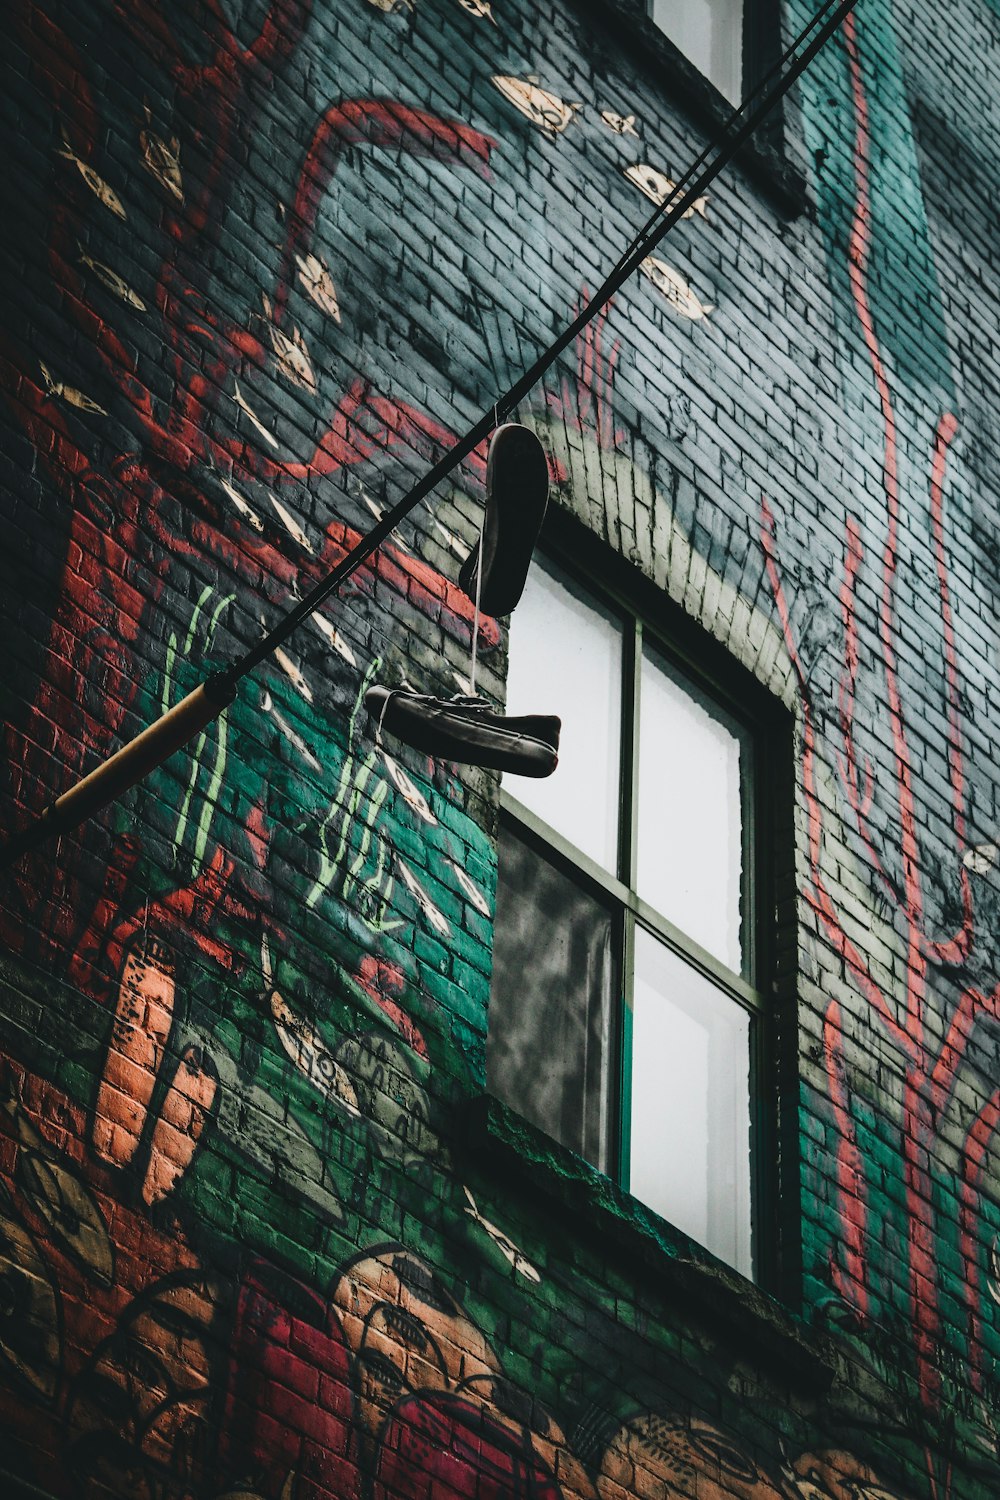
<point x="467" y="730"/>
<point x="517" y="489"/>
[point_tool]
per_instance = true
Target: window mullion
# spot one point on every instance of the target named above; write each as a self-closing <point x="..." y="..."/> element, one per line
<point x="625" y="1052"/>
<point x="632" y="688"/>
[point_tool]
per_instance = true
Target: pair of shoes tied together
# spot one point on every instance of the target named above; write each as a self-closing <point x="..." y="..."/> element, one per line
<point x="466" y="729"/>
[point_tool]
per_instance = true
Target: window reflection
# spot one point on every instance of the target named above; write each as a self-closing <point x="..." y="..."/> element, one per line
<point x="549" y="1043"/>
<point x="566" y="659"/>
<point x="690" y="825"/>
<point x="710" y="33"/>
<point x="690" y="1116"/>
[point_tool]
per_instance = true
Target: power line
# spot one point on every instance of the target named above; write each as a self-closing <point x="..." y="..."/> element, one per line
<point x="175" y="728"/>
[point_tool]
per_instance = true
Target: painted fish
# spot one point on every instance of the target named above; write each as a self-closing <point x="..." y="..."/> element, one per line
<point x="314" y="275"/>
<point x="335" y="639"/>
<point x="113" y="281"/>
<point x="472" y="890"/>
<point x="248" y="411"/>
<point x="521" y="1264"/>
<point x="291" y="353"/>
<point x="676" y="290"/>
<point x="293" y="738"/>
<point x="479" y="8"/>
<point x="162" y="158"/>
<point x="993" y="1285"/>
<point x="409" y="792"/>
<point x="246" y="511"/>
<point x="437" y="920"/>
<point x="290" y="523"/>
<point x="97" y="185"/>
<point x="69" y="393"/>
<point x="293" y="673"/>
<point x="450" y="539"/>
<point x="390" y="5"/>
<point x="658" y="187"/>
<point x="306" y="1047"/>
<point x="542" y="108"/>
<point x="981" y="858"/>
<point x="620" y="124"/>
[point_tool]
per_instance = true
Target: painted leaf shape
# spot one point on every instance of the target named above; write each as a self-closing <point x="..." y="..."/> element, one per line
<point x="311" y="1056"/>
<point x="70" y="1212"/>
<point x="30" y="1328"/>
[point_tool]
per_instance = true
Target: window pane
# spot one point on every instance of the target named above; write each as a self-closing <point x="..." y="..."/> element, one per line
<point x="690" y="826"/>
<point x="710" y="33"/>
<point x="566" y="659"/>
<point x="690" y="1137"/>
<point x="548" y="1051"/>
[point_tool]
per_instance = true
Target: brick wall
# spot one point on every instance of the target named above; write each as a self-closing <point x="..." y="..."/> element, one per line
<point x="260" y="265"/>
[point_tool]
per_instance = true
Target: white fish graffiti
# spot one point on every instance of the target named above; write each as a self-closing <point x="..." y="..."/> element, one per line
<point x="293" y="673"/>
<point x="68" y="393"/>
<point x="437" y="920"/>
<point x="112" y="281"/>
<point x="542" y="108"/>
<point x="246" y="511"/>
<point x="408" y="790"/>
<point x="981" y="858"/>
<point x="676" y="290"/>
<point x="293" y="738"/>
<point x="450" y="539"/>
<point x="472" y="890"/>
<point x="291" y="525"/>
<point x="162" y="159"/>
<point x="521" y="1264"/>
<point x="658" y="187"/>
<point x="620" y="124"/>
<point x="314" y="275"/>
<point x="291" y="353"/>
<point x="305" y="1046"/>
<point x="97" y="185"/>
<point x="335" y="639"/>
<point x="479" y="8"/>
<point x="248" y="411"/>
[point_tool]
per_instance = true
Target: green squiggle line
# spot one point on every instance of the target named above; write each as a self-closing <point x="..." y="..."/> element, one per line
<point x="211" y="795"/>
<point x="168" y="673"/>
<point x="182" y="816"/>
<point x="193" y="624"/>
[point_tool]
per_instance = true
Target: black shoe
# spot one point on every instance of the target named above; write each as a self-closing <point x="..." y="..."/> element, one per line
<point x="517" y="489"/>
<point x="467" y="730"/>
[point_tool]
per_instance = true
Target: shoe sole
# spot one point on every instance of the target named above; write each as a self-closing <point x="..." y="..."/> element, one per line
<point x="516" y="470"/>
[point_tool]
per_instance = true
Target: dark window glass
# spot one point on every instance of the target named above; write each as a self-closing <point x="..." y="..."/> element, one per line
<point x="554" y="975"/>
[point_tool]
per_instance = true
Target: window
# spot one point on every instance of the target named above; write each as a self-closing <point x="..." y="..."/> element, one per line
<point x="626" y="1018"/>
<point x="710" y="34"/>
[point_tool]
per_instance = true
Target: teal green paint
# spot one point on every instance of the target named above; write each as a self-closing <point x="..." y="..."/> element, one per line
<point x="911" y="331"/>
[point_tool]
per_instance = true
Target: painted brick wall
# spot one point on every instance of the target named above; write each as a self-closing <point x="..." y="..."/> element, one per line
<point x="260" y="263"/>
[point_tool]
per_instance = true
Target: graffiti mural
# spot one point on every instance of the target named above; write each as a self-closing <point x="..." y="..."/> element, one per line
<point x="243" y="1254"/>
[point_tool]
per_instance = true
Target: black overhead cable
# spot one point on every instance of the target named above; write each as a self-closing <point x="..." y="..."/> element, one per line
<point x="175" y="728"/>
<point x="734" y="134"/>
